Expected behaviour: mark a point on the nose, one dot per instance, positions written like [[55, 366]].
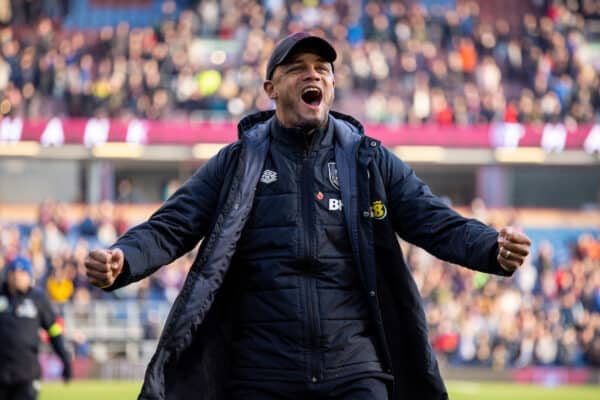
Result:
[[312, 74]]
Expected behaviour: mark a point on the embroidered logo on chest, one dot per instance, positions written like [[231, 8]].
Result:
[[268, 176]]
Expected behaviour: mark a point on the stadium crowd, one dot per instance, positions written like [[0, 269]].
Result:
[[397, 64], [548, 314]]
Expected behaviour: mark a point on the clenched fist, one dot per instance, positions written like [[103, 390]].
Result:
[[513, 247], [103, 266]]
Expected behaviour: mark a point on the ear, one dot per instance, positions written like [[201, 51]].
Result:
[[270, 89], [333, 91], [333, 86]]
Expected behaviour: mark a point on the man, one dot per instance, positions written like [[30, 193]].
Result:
[[23, 311], [300, 289]]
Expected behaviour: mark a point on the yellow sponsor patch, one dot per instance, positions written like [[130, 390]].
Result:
[[378, 210]]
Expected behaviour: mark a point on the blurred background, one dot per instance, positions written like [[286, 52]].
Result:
[[108, 106]]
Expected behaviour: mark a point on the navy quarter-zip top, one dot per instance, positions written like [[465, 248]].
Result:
[[303, 316]]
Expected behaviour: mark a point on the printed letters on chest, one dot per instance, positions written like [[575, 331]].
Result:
[[335, 205]]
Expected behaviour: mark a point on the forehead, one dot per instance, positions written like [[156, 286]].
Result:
[[304, 56], [19, 273], [15, 270]]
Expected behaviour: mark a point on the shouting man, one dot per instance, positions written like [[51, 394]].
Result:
[[300, 289]]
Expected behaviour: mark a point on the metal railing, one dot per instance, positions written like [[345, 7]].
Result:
[[112, 329]]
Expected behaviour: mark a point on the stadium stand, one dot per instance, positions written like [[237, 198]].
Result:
[[397, 63]]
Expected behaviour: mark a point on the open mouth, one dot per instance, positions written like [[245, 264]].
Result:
[[312, 96]]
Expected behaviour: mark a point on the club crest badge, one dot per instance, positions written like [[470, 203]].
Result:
[[268, 176], [378, 210], [333, 175]]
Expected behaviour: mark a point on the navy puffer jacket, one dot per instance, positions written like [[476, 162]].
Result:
[[381, 195]]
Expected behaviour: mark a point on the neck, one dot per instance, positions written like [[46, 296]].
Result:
[[310, 132], [300, 137], [307, 128]]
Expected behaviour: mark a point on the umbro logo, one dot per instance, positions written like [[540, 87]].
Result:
[[268, 176]]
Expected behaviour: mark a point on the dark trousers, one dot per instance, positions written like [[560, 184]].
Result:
[[18, 391], [360, 389]]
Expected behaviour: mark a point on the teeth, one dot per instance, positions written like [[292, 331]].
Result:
[[311, 89]]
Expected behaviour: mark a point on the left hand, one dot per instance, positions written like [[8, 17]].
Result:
[[513, 248]]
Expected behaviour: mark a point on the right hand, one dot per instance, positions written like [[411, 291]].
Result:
[[103, 266]]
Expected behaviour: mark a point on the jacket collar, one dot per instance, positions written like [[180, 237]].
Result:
[[347, 129], [296, 138], [247, 125]]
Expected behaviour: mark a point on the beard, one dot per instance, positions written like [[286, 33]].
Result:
[[303, 123], [308, 126]]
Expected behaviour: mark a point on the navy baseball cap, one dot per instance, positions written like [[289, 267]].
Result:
[[299, 41], [20, 263]]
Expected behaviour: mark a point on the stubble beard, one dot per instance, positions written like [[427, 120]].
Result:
[[305, 124], [316, 122]]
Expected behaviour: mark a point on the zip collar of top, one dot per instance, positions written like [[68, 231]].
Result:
[[298, 138]]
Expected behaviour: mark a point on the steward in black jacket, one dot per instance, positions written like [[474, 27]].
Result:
[[23, 311], [294, 223]]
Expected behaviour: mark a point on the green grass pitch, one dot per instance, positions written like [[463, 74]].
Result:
[[118, 390]]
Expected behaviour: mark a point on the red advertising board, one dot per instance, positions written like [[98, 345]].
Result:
[[91, 132]]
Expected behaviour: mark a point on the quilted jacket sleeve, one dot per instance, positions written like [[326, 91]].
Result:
[[175, 228], [424, 219]]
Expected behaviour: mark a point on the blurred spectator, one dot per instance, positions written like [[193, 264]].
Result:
[[127, 193], [59, 284]]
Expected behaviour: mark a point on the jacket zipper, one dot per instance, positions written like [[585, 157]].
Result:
[[355, 215], [309, 283], [385, 353]]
